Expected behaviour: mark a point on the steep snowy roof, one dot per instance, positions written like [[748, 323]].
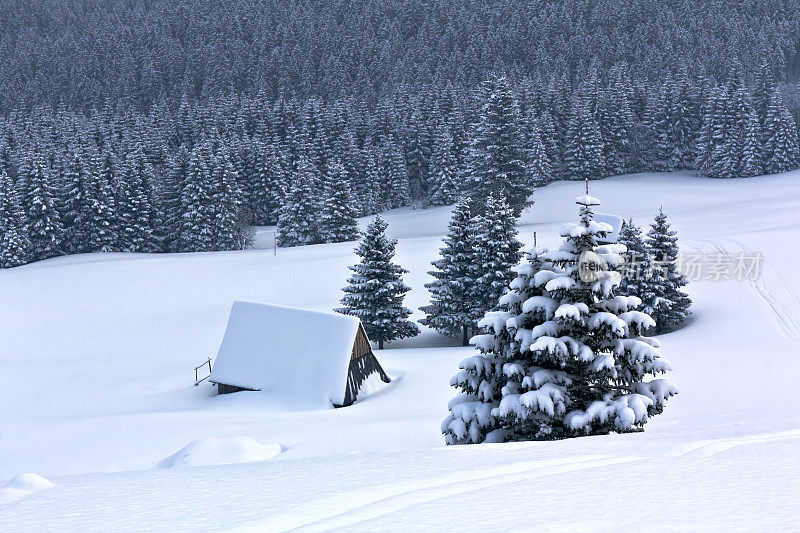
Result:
[[612, 220], [299, 357]]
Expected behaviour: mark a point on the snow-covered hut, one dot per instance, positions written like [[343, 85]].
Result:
[[302, 358], [616, 225]]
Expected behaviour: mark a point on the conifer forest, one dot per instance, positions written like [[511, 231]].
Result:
[[177, 125]]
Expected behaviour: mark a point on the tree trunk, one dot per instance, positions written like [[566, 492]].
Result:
[[380, 344], [465, 339]]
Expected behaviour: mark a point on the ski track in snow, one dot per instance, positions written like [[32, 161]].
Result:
[[354, 507], [772, 289], [709, 448]]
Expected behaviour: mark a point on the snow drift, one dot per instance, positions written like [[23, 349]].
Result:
[[23, 484], [221, 451]]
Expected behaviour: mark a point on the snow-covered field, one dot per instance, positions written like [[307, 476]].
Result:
[[96, 368]]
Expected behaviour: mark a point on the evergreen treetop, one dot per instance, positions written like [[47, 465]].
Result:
[[375, 290], [337, 216]]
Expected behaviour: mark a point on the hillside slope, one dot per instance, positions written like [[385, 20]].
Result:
[[97, 355]]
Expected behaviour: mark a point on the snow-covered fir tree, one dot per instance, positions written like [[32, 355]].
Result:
[[297, 221], [375, 290], [497, 156], [564, 356], [398, 193], [14, 246], [371, 200], [720, 136], [711, 141], [268, 189], [230, 219], [135, 232], [538, 163], [551, 140], [497, 253], [100, 209], [43, 222], [583, 150], [751, 163], [781, 146], [453, 298], [175, 179], [75, 207], [637, 268], [197, 213], [670, 305], [418, 159], [444, 170], [337, 216], [616, 122]]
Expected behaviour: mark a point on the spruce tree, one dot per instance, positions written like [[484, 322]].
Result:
[[751, 150], [100, 209], [134, 212], [444, 170], [375, 290], [451, 309], [616, 122], [706, 141], [497, 155], [297, 221], [267, 193], [781, 147], [497, 253], [175, 180], [337, 216], [482, 377], [398, 193], [45, 232], [670, 305], [14, 245], [418, 159], [538, 163], [637, 268], [229, 225], [550, 137], [719, 151], [682, 123], [372, 201], [563, 356], [583, 150], [763, 93], [197, 211], [76, 230]]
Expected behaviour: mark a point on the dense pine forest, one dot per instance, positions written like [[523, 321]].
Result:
[[177, 125]]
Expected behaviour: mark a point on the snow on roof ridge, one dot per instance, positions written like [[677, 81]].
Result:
[[298, 309]]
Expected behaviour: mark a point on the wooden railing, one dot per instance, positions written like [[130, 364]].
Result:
[[197, 368]]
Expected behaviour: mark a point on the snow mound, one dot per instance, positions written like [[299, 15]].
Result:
[[221, 451], [22, 485], [28, 483]]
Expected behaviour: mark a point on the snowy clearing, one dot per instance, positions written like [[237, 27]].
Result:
[[97, 361]]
